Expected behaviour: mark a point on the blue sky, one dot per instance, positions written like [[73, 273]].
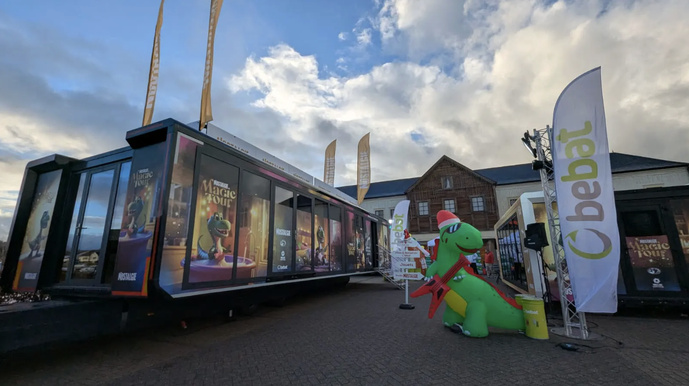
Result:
[[462, 78]]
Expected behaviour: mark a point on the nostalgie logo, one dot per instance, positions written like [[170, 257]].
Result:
[[583, 172], [142, 177], [218, 192]]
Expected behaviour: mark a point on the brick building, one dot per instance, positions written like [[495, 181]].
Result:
[[451, 186]]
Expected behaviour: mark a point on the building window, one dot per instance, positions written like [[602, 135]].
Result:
[[449, 205], [512, 201], [477, 204], [392, 213], [446, 182], [423, 208], [380, 212]]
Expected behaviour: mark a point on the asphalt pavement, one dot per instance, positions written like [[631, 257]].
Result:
[[359, 336]]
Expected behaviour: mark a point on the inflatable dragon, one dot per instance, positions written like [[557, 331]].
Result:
[[35, 244], [473, 304], [219, 228]]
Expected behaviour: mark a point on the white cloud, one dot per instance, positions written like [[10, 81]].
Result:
[[342, 36], [363, 37], [508, 63]]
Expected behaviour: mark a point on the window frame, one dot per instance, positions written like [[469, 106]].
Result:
[[474, 204], [418, 208], [454, 205]]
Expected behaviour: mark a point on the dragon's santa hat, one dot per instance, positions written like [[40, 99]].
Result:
[[446, 218]]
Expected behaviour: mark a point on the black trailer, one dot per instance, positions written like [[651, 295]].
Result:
[[178, 220]]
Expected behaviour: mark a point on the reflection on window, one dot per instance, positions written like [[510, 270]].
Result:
[[512, 201], [304, 232], [449, 205], [254, 217], [116, 223], [359, 243], [446, 182], [380, 212], [92, 227], [368, 246], [350, 234], [73, 228], [282, 230], [423, 208], [322, 239], [477, 204], [680, 210], [336, 237]]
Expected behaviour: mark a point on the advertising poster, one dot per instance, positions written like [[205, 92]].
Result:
[[368, 246], [652, 263], [586, 202], [138, 221], [322, 239], [213, 256], [336, 229], [680, 210], [304, 250], [33, 247], [283, 251], [253, 228], [178, 215], [352, 237]]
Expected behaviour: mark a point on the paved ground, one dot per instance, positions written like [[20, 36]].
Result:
[[360, 336]]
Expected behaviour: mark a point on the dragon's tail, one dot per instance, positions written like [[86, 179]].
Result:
[[202, 255]]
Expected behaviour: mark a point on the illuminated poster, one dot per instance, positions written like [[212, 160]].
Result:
[[33, 247], [652, 263], [282, 231], [336, 238], [178, 215], [213, 256], [254, 221], [138, 221], [367, 246], [680, 210], [304, 251], [351, 241], [322, 239]]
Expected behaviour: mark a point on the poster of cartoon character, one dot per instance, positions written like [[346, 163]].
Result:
[[33, 245], [141, 211], [212, 251]]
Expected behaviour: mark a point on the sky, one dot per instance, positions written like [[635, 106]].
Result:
[[426, 78]]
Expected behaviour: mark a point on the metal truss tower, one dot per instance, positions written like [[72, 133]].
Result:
[[574, 321]]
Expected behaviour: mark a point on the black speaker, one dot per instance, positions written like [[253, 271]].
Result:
[[535, 237]]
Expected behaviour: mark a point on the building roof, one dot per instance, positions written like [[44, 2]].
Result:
[[619, 163], [383, 188], [516, 174]]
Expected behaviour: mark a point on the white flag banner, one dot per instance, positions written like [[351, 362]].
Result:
[[397, 244], [585, 198]]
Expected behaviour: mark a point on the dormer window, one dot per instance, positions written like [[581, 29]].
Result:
[[446, 182]]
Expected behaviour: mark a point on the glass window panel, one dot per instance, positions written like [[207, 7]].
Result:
[[254, 219], [73, 227], [336, 238], [477, 204], [304, 250], [322, 239], [367, 246], [92, 226], [213, 254], [116, 223], [282, 230], [423, 208]]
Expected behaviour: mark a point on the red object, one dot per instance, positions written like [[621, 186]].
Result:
[[438, 287], [446, 218], [490, 258]]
